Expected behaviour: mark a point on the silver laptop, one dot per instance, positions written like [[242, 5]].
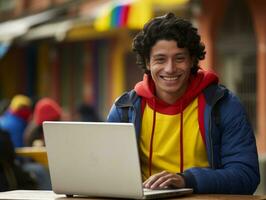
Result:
[[97, 160]]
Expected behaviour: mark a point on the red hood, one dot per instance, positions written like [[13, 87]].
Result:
[[23, 113], [197, 83]]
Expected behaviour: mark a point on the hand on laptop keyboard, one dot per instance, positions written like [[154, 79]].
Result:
[[164, 180]]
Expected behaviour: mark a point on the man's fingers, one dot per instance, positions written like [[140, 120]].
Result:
[[171, 182], [150, 181], [157, 184], [175, 181], [164, 180]]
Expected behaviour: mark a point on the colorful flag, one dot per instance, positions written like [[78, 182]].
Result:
[[131, 14]]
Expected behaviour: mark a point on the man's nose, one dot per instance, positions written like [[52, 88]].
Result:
[[170, 66]]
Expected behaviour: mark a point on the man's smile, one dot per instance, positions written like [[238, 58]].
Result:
[[171, 78]]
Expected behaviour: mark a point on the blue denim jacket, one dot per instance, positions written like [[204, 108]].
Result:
[[230, 143]]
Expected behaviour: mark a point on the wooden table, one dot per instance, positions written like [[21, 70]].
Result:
[[38, 154], [49, 195]]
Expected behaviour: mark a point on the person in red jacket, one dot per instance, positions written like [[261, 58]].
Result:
[[46, 109]]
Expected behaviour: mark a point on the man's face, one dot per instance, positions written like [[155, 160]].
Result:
[[170, 69]]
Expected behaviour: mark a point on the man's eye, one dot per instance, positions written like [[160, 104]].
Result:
[[160, 60], [180, 59]]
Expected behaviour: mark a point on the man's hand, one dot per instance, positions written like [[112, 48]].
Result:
[[164, 180]]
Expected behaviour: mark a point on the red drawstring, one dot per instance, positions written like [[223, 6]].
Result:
[[151, 141], [181, 143]]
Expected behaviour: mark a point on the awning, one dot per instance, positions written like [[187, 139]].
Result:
[[9, 30], [56, 30], [59, 29], [12, 29]]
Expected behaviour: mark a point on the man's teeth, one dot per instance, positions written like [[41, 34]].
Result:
[[170, 78]]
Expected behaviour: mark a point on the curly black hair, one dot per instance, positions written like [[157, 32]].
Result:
[[168, 27]]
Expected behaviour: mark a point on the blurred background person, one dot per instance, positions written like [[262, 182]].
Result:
[[86, 113], [16, 117], [46, 109]]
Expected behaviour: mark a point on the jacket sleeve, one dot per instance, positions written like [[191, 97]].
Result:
[[114, 115], [234, 145]]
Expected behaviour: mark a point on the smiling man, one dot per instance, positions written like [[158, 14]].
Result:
[[191, 131]]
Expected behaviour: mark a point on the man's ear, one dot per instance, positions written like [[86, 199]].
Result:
[[148, 65]]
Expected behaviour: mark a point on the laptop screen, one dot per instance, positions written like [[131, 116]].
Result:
[[95, 159]]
